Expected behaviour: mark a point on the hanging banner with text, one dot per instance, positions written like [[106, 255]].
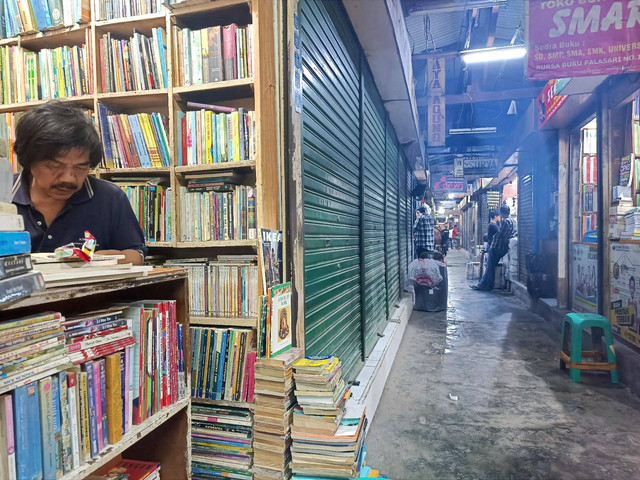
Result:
[[436, 125], [549, 100], [446, 184], [481, 167], [581, 38]]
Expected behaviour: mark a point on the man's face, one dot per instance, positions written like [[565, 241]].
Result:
[[59, 178]]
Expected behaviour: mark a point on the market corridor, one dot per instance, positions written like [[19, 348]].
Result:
[[517, 416]]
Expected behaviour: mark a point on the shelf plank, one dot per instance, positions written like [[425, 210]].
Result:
[[52, 37], [224, 321], [152, 19], [215, 166], [218, 243], [222, 403], [133, 436], [240, 82], [137, 170], [201, 6], [84, 100], [159, 244], [57, 294]]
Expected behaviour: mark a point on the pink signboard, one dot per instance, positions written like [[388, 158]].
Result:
[[447, 184], [580, 38]]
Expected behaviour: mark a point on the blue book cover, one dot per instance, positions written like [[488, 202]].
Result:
[[156, 126], [91, 398], [202, 360], [27, 431], [138, 138], [57, 421], [103, 401], [162, 48], [49, 446], [211, 387], [13, 25], [14, 243], [106, 138], [55, 9], [194, 135], [221, 363], [41, 22], [3, 20], [194, 336]]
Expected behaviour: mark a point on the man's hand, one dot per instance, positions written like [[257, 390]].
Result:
[[130, 256]]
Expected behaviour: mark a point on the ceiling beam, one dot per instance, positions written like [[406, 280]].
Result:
[[479, 97], [429, 56], [426, 7]]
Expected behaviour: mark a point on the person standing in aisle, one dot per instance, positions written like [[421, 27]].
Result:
[[423, 231], [499, 248], [454, 236], [57, 146], [445, 239], [494, 224]]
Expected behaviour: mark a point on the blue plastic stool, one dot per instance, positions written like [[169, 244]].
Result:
[[572, 354]]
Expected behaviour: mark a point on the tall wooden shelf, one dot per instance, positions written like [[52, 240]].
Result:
[[258, 93], [165, 436]]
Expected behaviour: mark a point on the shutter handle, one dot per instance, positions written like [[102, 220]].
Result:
[[327, 243]]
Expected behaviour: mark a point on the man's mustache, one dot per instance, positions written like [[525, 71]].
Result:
[[65, 186]]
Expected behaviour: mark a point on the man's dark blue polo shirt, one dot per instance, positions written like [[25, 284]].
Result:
[[99, 207]]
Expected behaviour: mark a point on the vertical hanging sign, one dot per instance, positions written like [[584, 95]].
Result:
[[436, 127]]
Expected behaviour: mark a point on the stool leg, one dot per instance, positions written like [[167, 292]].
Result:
[[576, 353], [611, 356], [566, 334], [596, 339]]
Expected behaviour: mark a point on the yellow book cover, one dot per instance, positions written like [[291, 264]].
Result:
[[150, 139], [206, 359], [208, 116], [235, 124], [27, 15], [114, 398], [61, 89], [84, 412], [236, 363], [77, 81], [204, 42], [319, 362]]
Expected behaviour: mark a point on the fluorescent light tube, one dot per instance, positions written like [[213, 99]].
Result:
[[493, 54]]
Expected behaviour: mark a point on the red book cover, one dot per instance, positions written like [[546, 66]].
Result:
[[174, 351], [252, 377], [134, 469], [229, 52], [103, 333], [104, 350]]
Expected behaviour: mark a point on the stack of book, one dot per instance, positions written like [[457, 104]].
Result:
[[617, 213], [20, 16], [129, 470], [138, 63], [126, 8], [221, 442], [151, 202], [208, 136], [632, 225], [337, 456], [131, 141], [222, 363], [589, 169], [589, 198], [226, 287], [30, 346], [211, 216], [273, 412], [17, 279], [321, 393], [213, 54]]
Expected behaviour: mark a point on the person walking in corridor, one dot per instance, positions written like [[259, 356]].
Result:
[[423, 231], [499, 248]]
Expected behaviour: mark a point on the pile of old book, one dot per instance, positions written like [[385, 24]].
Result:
[[274, 406], [328, 429]]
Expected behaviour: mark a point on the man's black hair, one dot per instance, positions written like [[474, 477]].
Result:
[[52, 129], [493, 213], [505, 211], [422, 209]]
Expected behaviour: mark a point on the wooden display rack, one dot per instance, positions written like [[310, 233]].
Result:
[[172, 424]]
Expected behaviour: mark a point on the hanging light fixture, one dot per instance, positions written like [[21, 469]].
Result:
[[493, 54]]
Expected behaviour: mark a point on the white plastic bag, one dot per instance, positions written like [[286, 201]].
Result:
[[425, 271]]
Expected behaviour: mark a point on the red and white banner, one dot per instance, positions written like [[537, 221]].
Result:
[[581, 38], [549, 101]]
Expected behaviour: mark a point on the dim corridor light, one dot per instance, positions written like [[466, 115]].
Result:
[[493, 54]]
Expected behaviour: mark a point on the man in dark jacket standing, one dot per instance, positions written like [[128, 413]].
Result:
[[499, 248]]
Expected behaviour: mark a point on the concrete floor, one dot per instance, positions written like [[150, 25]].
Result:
[[517, 417]]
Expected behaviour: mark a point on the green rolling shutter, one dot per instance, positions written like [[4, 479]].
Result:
[[331, 183], [402, 206], [373, 145], [391, 220]]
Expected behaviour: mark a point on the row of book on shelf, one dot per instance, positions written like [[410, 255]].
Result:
[[151, 202], [213, 54], [50, 73], [133, 64], [22, 16], [74, 385], [126, 8]]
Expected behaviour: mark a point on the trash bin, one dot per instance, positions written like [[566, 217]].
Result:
[[434, 298]]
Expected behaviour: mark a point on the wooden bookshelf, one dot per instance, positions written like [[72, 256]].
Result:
[[171, 424], [223, 403], [206, 87], [211, 167]]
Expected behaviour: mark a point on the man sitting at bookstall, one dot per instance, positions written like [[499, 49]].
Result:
[[57, 146]]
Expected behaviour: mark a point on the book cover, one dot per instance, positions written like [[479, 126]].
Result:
[[11, 223], [47, 430], [280, 313], [132, 469], [7, 439], [14, 243], [85, 424], [92, 409], [229, 52], [55, 9], [74, 420], [13, 265], [103, 402], [27, 432], [66, 448], [57, 421], [113, 398], [271, 257]]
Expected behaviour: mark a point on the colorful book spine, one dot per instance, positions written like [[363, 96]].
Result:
[[66, 449], [113, 398], [57, 422], [27, 432], [74, 420], [7, 439], [92, 405]]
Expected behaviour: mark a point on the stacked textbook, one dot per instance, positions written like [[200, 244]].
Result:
[[274, 406], [328, 429]]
